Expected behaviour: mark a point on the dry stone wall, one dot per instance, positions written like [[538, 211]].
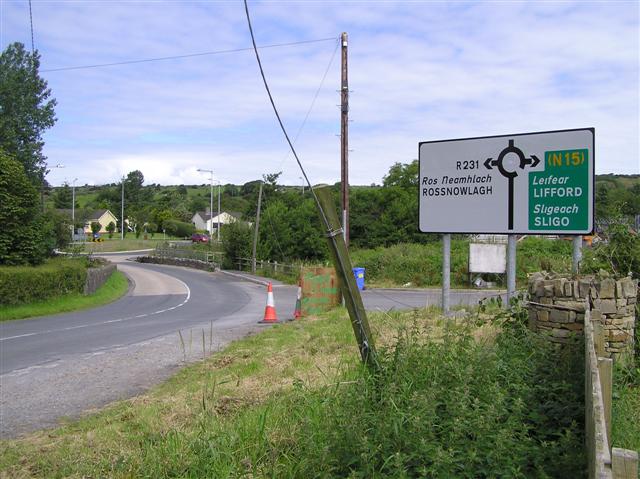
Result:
[[557, 306], [96, 277]]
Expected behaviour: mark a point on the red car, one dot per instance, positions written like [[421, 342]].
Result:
[[199, 238]]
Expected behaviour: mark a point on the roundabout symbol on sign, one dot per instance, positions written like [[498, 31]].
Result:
[[509, 160]]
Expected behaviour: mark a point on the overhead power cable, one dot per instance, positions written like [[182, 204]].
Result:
[[188, 55], [325, 221], [365, 348], [31, 24]]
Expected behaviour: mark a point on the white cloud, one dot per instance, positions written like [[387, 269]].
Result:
[[418, 71]]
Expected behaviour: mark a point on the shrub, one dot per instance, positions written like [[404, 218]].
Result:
[[111, 227], [178, 228], [236, 242], [421, 264], [25, 284], [619, 253], [450, 408]]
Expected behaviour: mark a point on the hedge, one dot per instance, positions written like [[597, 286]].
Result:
[[56, 277]]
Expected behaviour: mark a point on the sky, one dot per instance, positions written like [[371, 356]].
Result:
[[418, 71]]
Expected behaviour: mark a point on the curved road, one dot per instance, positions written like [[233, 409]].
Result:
[[158, 304], [62, 365]]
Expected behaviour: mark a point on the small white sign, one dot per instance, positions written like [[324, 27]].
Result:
[[487, 258]]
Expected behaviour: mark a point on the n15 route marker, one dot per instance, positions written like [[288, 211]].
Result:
[[527, 183]]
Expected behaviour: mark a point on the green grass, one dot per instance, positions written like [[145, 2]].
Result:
[[452, 400], [114, 288], [626, 404], [115, 244]]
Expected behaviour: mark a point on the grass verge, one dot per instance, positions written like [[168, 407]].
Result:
[[116, 286], [113, 245], [452, 400], [626, 406]]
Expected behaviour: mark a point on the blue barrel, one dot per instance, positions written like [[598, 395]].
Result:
[[359, 274]]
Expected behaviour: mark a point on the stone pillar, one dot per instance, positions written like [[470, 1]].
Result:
[[557, 305]]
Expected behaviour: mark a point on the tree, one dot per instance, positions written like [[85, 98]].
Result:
[[236, 242], [111, 227], [403, 175], [25, 234], [26, 110], [95, 227]]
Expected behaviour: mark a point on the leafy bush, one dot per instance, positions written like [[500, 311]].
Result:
[[619, 253], [58, 276], [178, 228], [24, 231], [111, 227], [450, 408], [237, 239], [421, 264], [415, 263]]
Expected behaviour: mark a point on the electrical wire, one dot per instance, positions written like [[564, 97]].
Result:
[[367, 352], [31, 24], [275, 110], [188, 55], [313, 102]]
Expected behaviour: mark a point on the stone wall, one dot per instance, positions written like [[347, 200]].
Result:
[[96, 277], [189, 263], [557, 305]]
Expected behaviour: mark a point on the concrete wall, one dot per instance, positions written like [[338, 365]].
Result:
[[96, 277], [557, 306]]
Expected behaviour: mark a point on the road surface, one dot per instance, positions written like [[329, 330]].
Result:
[[66, 364]]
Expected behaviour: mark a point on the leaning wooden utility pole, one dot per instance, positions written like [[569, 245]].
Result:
[[344, 140], [255, 233], [346, 279]]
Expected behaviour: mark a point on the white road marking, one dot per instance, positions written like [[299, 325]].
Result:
[[119, 320]]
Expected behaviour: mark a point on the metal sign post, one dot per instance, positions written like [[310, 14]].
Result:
[[577, 254], [511, 268], [446, 272]]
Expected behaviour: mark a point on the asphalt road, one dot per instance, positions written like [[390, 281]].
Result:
[[65, 364], [162, 301]]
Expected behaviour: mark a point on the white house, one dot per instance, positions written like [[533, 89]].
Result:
[[202, 220], [225, 217]]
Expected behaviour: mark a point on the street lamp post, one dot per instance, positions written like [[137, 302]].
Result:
[[211, 200], [122, 212], [218, 232], [73, 205], [44, 173]]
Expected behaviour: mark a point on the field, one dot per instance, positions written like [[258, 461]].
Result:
[[116, 244]]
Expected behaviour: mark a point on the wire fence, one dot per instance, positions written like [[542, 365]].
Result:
[[269, 267]]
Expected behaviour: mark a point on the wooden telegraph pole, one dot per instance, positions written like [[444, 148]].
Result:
[[256, 231], [344, 140]]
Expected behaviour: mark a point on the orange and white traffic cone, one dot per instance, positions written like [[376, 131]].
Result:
[[270, 315], [297, 314]]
